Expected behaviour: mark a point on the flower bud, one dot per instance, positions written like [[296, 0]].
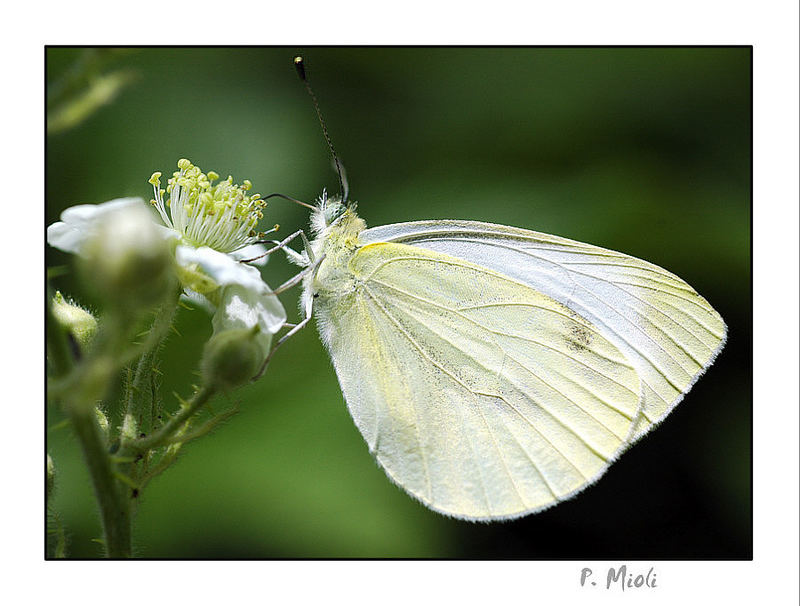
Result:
[[126, 259], [233, 357], [77, 321]]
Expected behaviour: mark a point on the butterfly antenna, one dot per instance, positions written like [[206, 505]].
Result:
[[301, 71], [290, 199]]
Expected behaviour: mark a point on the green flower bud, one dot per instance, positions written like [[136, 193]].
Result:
[[77, 321], [126, 259], [233, 357]]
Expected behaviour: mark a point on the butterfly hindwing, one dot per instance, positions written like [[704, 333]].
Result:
[[478, 394]]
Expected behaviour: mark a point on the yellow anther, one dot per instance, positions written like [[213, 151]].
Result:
[[217, 213]]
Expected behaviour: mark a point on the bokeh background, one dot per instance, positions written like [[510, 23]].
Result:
[[642, 150]]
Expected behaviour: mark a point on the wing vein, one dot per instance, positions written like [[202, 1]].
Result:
[[558, 264], [707, 328], [545, 409], [602, 302], [576, 283], [463, 385], [680, 285], [527, 339], [413, 405]]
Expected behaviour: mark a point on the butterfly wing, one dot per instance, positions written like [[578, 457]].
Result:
[[479, 395], [669, 333]]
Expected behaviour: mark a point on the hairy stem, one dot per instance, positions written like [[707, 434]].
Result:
[[111, 497], [175, 423], [144, 368]]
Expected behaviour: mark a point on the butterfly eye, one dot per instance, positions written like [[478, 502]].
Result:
[[333, 211]]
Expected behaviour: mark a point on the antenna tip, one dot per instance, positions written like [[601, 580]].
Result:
[[300, 67]]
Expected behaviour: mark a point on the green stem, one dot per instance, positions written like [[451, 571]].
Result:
[[112, 498], [144, 368], [80, 386], [137, 398], [203, 430], [166, 460], [175, 423]]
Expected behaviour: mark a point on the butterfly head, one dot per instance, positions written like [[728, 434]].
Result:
[[330, 212], [335, 225]]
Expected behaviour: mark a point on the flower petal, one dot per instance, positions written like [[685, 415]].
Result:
[[85, 213], [241, 307], [222, 268], [65, 237], [244, 299], [77, 221]]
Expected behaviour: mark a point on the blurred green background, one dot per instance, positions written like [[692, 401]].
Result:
[[646, 151]]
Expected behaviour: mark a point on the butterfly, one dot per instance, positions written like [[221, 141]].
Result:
[[495, 371]]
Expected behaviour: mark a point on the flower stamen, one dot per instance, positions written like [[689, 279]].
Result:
[[221, 216]]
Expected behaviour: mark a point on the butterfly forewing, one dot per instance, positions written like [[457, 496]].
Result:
[[667, 331]]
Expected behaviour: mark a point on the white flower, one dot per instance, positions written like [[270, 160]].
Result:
[[242, 298], [124, 256], [214, 229], [78, 222]]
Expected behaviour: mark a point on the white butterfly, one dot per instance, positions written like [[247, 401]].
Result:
[[495, 371]]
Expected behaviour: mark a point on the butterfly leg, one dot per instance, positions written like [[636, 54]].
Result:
[[312, 266], [296, 279], [293, 255], [297, 327]]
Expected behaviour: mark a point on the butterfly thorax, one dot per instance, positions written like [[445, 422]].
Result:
[[338, 242]]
